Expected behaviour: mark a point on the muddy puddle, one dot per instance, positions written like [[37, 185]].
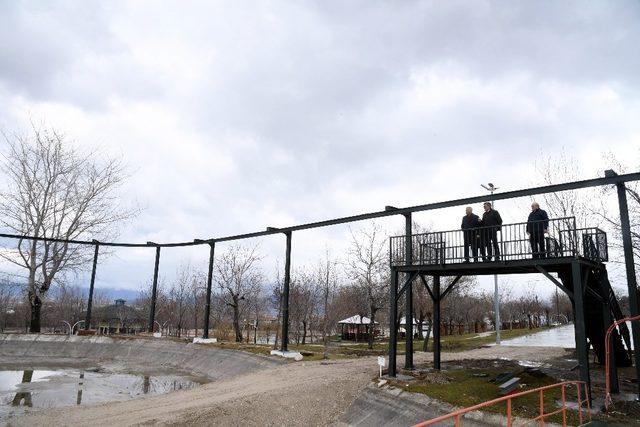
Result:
[[28, 390]]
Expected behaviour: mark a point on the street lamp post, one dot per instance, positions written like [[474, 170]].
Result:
[[496, 299]]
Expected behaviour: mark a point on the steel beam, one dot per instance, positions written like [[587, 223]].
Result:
[[632, 285], [555, 281], [426, 285], [393, 332], [575, 185], [410, 277], [408, 327], [450, 287], [285, 295], [154, 290], [436, 322], [87, 320], [582, 348], [207, 304]]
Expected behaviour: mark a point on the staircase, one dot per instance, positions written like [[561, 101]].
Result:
[[600, 304]]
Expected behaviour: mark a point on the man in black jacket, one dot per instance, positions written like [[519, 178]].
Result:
[[537, 225], [492, 221], [470, 224]]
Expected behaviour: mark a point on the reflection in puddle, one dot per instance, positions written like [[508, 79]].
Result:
[[561, 336], [20, 390]]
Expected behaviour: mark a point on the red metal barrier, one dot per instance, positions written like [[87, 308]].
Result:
[[580, 387], [607, 364]]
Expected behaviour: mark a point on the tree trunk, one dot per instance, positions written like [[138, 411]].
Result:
[[426, 338], [304, 332], [372, 328], [236, 321], [36, 304]]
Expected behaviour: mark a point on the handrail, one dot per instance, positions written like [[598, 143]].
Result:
[[579, 384], [516, 241], [607, 363], [484, 227]]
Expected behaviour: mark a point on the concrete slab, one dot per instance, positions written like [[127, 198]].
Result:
[[20, 350], [287, 354], [205, 340]]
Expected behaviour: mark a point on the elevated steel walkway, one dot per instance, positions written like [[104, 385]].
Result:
[[571, 258]]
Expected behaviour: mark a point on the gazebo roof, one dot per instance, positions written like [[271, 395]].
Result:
[[356, 320]]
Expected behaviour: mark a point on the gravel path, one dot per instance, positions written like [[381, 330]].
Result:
[[310, 393]]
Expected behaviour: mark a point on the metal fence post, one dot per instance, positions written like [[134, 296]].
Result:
[[632, 285], [408, 327], [207, 305], [285, 295], [154, 290]]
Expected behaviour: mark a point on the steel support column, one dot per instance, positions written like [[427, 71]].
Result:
[[87, 320], [393, 332], [436, 322], [632, 284], [613, 368], [154, 290], [207, 304], [285, 295], [582, 348], [408, 327]]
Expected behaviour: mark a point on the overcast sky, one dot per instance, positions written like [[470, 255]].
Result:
[[233, 116]]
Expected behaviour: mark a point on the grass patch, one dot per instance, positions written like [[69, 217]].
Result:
[[468, 387]]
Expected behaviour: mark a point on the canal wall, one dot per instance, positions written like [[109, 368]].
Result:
[[137, 354]]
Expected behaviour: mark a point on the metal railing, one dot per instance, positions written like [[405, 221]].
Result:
[[607, 364], [581, 390], [556, 238]]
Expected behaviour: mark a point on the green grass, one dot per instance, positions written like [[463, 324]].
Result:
[[464, 388], [344, 349]]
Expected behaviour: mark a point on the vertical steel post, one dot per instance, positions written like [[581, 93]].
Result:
[[393, 313], [436, 322], [582, 348], [613, 368], [207, 304], [154, 290], [408, 327], [87, 320], [632, 284], [285, 295]]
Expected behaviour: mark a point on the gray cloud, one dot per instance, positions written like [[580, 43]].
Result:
[[238, 115]]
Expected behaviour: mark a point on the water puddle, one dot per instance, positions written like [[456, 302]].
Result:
[[22, 391], [561, 336]]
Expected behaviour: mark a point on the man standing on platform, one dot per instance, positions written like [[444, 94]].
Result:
[[537, 225], [492, 222], [470, 224]]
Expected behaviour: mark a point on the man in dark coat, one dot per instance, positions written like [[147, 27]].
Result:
[[491, 223], [470, 224], [537, 225]]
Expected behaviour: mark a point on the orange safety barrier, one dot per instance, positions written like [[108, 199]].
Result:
[[607, 363], [580, 385]]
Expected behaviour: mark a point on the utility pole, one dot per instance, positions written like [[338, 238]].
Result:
[[496, 299]]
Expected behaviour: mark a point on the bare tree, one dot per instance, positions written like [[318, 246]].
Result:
[[238, 278], [197, 291], [179, 292], [275, 298], [302, 302], [367, 265], [9, 298], [633, 201], [327, 282], [55, 192], [555, 169]]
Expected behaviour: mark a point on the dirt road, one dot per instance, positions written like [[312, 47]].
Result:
[[310, 393]]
